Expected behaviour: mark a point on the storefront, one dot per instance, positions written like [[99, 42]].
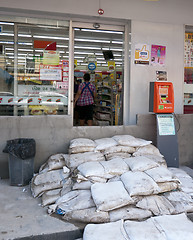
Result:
[[39, 60]]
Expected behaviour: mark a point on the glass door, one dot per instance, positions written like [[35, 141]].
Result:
[[99, 51]]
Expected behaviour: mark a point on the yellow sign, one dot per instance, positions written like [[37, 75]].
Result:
[[111, 66], [75, 63], [142, 54], [51, 58]]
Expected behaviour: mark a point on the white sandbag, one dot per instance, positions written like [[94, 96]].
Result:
[[147, 150], [85, 185], [168, 186], [109, 196], [158, 159], [51, 176], [38, 190], [80, 178], [67, 186], [49, 197], [115, 179], [105, 231], [89, 215], [128, 140], [158, 205], [176, 227], [104, 143], [110, 156], [161, 174], [119, 149], [186, 182], [181, 201], [75, 200], [140, 163], [76, 159], [139, 183], [145, 230], [129, 213], [57, 161], [93, 169], [115, 167], [80, 145]]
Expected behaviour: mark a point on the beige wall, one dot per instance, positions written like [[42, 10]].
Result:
[[53, 133]]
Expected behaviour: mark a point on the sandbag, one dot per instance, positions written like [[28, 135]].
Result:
[[67, 186], [158, 205], [115, 167], [105, 231], [110, 156], [129, 213], [104, 143], [128, 140], [186, 182], [75, 200], [181, 201], [109, 196], [139, 183], [176, 227], [51, 176], [145, 230], [119, 149], [161, 174], [147, 150], [93, 169], [76, 159], [49, 197], [89, 215], [168, 186], [140, 163], [158, 159], [85, 185], [80, 145], [80, 178]]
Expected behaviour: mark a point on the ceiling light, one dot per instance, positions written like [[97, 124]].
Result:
[[91, 40], [50, 37], [6, 23], [117, 42], [94, 48]]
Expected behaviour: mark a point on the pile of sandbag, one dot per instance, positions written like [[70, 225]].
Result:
[[110, 179]]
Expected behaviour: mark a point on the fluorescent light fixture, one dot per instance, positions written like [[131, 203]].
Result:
[[84, 53], [7, 34], [24, 35], [9, 53], [97, 30], [101, 62], [50, 37], [6, 42], [117, 42], [25, 43], [6, 23], [9, 49], [78, 57], [94, 48], [116, 49], [62, 46], [38, 50], [25, 50], [84, 64], [91, 40], [99, 54]]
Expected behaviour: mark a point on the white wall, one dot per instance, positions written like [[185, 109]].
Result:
[[168, 11], [169, 35]]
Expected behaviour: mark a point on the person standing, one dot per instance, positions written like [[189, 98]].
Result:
[[85, 100]]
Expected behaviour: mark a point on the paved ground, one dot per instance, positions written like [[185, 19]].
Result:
[[21, 216]]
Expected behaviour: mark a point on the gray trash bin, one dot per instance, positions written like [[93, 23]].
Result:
[[21, 160]]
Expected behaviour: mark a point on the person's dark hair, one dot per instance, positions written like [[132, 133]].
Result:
[[86, 77]]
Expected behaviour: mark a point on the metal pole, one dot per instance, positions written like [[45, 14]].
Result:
[[15, 66]]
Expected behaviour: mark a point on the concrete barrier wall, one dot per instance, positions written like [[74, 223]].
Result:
[[53, 133]]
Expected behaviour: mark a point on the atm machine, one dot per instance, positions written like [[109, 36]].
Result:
[[161, 102]]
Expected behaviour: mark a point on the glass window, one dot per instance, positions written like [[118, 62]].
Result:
[[38, 65], [188, 71]]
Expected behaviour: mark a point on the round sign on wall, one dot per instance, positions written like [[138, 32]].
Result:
[[91, 66]]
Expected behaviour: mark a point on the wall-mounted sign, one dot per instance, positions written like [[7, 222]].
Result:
[[51, 58], [161, 76], [92, 66], [142, 54], [166, 124], [158, 55], [50, 73], [111, 66]]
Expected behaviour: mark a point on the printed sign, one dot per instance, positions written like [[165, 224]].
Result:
[[142, 54], [92, 66], [51, 58], [158, 55], [50, 73], [166, 124]]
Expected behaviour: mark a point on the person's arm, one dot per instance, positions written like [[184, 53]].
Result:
[[77, 96]]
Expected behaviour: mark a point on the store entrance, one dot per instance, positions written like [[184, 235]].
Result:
[[99, 52]]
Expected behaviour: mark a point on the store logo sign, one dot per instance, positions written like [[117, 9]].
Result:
[[91, 66]]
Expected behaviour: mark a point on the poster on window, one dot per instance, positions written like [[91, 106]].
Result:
[[142, 54], [158, 55], [50, 73]]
